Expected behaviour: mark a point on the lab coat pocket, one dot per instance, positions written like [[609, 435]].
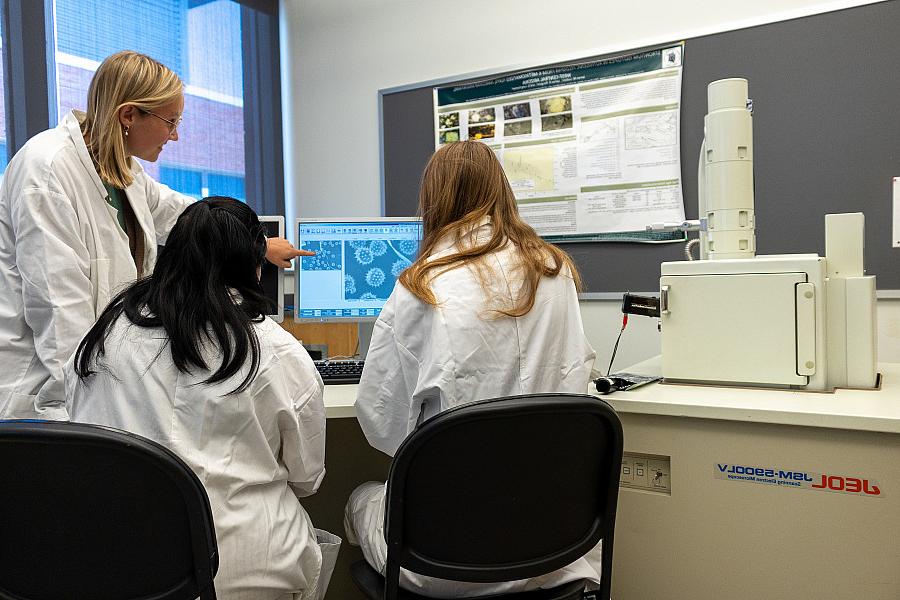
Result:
[[21, 406], [31, 406], [100, 284], [330, 545]]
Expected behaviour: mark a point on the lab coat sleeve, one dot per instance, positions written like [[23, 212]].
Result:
[[55, 268], [166, 205], [385, 407], [303, 426]]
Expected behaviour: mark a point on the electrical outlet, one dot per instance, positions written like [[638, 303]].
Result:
[[640, 472], [659, 474], [627, 474], [649, 472]]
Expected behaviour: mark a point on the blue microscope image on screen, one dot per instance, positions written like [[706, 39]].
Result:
[[373, 266], [327, 258]]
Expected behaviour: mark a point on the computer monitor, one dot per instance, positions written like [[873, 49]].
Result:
[[356, 264], [272, 277]]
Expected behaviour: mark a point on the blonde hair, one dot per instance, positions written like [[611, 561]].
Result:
[[462, 184], [123, 78]]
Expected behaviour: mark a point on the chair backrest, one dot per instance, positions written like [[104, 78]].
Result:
[[505, 489], [94, 512]]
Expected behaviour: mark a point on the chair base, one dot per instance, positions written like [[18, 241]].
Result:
[[371, 583]]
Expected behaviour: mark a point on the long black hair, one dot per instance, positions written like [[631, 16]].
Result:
[[204, 288]]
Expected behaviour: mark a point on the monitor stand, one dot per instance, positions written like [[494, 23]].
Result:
[[365, 337]]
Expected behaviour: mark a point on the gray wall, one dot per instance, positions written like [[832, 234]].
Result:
[[826, 135]]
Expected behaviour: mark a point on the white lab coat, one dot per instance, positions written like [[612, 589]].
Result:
[[423, 360], [63, 256], [254, 451]]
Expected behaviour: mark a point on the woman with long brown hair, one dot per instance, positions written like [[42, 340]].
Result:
[[488, 309]]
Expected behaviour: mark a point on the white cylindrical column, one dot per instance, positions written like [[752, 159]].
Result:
[[728, 172]]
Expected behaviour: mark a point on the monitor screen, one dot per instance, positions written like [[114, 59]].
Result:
[[272, 277], [355, 267]]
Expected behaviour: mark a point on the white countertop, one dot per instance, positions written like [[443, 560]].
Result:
[[853, 409], [861, 410]]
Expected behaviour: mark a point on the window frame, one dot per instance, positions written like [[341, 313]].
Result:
[[263, 143], [29, 71]]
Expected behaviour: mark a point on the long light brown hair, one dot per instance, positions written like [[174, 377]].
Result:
[[462, 184], [123, 78]]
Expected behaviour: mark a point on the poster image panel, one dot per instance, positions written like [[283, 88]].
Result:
[[590, 149]]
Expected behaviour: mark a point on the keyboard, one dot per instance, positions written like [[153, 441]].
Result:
[[339, 371]]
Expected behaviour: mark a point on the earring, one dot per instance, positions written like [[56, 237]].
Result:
[[126, 131]]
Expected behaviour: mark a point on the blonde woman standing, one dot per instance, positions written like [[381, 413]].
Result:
[[488, 309], [80, 219]]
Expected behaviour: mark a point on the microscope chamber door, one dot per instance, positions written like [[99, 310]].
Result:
[[732, 328]]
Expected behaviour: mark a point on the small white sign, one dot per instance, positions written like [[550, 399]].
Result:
[[896, 213]]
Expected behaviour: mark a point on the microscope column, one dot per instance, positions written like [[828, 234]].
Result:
[[728, 166]]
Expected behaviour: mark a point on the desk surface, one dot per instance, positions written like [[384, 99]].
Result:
[[340, 400], [861, 410]]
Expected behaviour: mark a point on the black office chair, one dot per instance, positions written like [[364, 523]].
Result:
[[499, 490], [90, 512]]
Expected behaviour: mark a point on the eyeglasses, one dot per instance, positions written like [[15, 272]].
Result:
[[173, 125]]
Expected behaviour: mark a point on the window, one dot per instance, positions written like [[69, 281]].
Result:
[[226, 185], [199, 184], [225, 51], [185, 181], [199, 40]]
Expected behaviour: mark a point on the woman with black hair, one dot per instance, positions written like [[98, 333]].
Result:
[[187, 358]]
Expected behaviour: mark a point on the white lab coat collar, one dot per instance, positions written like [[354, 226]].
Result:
[[479, 232], [72, 124]]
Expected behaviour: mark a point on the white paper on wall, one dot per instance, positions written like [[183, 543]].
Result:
[[896, 213]]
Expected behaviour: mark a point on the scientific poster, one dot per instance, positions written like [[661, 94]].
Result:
[[591, 150]]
